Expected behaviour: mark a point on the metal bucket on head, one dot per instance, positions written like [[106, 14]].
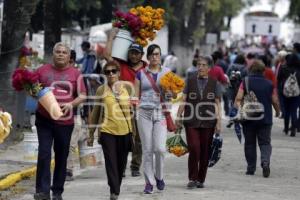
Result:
[[121, 44]]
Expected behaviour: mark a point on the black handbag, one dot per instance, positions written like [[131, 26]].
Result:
[[215, 150]]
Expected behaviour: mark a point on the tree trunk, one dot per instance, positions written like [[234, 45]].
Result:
[[177, 28], [52, 26], [194, 21], [17, 15], [106, 11]]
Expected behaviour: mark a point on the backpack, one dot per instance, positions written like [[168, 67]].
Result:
[[291, 86], [235, 78], [251, 109]]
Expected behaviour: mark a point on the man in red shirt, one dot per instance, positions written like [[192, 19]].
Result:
[[216, 72], [69, 90], [128, 71]]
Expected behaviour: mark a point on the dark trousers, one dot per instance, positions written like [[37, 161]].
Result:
[[136, 153], [226, 104], [199, 141], [60, 135], [281, 102], [261, 133], [298, 122], [115, 150], [290, 105]]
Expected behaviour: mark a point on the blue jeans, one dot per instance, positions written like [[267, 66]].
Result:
[[59, 135]]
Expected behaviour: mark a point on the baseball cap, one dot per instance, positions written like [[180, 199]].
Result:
[[137, 47]]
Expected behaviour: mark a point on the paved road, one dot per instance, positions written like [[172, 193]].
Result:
[[224, 181]]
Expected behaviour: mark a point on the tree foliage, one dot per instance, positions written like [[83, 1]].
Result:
[[17, 15], [96, 11], [294, 11]]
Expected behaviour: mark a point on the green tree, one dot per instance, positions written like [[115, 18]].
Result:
[[217, 10], [294, 11], [52, 26], [96, 11], [17, 15]]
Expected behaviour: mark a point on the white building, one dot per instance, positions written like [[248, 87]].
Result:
[[262, 23]]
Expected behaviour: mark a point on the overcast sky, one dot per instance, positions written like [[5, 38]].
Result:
[[281, 8]]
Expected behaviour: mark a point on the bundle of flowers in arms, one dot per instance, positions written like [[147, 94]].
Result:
[[172, 82], [24, 79], [142, 22], [176, 144]]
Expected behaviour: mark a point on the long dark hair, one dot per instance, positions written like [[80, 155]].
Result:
[[151, 48], [292, 60]]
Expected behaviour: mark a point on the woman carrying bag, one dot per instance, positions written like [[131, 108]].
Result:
[[152, 124], [257, 123], [201, 119]]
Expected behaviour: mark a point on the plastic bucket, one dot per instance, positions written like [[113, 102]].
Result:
[[31, 104], [121, 44], [31, 145], [90, 156]]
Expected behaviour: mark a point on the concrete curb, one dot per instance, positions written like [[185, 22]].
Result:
[[15, 177]]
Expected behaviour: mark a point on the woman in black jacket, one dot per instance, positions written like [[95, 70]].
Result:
[[291, 104]]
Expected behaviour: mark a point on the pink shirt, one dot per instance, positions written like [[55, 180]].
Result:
[[67, 84]]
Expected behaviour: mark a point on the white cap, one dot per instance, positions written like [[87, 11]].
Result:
[[282, 53]]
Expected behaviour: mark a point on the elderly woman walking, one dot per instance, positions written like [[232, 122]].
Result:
[[151, 120], [258, 128], [201, 119], [111, 114]]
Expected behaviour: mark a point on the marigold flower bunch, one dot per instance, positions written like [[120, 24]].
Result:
[[176, 144], [152, 21], [172, 82]]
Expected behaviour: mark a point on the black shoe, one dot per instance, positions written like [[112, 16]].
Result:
[[285, 131], [41, 196], [266, 170], [135, 173], [69, 178], [69, 175], [200, 185], [57, 197], [123, 175], [250, 173], [192, 185], [113, 196], [293, 133]]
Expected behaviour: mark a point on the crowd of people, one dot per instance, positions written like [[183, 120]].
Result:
[[124, 106]]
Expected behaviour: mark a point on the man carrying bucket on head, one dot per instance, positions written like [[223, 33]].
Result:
[[64, 80], [128, 71]]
